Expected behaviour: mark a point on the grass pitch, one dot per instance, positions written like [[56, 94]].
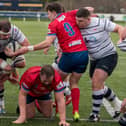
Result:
[[36, 32]]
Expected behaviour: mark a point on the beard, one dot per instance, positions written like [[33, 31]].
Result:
[[47, 85]]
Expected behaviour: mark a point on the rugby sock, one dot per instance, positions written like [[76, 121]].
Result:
[[2, 98], [97, 98], [1, 93], [109, 94], [75, 94]]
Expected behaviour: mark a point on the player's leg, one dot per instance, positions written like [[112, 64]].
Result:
[[76, 64], [107, 105], [2, 106], [99, 71], [75, 94], [78, 68], [45, 105], [3, 78], [98, 79], [30, 106], [17, 62], [30, 110], [115, 102], [122, 120], [67, 90], [14, 76]]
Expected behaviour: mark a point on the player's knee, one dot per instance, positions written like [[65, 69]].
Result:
[[47, 114], [30, 115], [97, 84]]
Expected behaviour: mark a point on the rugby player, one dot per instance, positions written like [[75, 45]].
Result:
[[11, 37], [103, 57], [37, 83]]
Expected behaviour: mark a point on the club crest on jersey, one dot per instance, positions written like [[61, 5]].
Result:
[[61, 18], [49, 31], [60, 85]]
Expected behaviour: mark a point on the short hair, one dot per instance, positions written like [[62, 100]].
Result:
[[58, 8], [5, 25], [47, 70], [83, 12]]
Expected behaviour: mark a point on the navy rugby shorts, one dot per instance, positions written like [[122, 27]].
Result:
[[107, 64], [30, 98], [73, 62]]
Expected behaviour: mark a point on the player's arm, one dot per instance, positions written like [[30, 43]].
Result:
[[45, 51], [22, 106], [19, 61], [59, 96], [119, 29], [44, 44], [19, 36], [25, 42], [123, 34]]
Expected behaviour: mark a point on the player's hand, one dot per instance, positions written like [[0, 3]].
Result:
[[45, 51], [123, 106], [8, 52], [20, 120], [63, 123], [119, 41], [20, 51]]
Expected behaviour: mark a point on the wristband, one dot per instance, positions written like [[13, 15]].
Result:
[[30, 48]]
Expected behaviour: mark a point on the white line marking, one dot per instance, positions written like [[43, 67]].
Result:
[[42, 118]]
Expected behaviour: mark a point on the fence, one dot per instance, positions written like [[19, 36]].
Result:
[[43, 15], [23, 15]]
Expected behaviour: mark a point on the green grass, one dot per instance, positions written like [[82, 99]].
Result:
[[36, 32]]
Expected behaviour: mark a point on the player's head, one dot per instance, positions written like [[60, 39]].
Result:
[[5, 27], [53, 9], [91, 9], [83, 17], [47, 75]]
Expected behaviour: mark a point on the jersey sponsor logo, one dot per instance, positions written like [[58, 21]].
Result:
[[60, 85], [61, 18], [49, 31], [73, 43], [90, 39]]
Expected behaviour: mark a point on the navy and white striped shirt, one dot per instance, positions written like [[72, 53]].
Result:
[[97, 38]]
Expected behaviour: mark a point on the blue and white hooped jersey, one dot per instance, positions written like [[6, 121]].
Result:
[[97, 38]]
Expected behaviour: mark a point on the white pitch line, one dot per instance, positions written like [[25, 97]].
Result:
[[68, 119]]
